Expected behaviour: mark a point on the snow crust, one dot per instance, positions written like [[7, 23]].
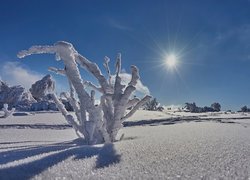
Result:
[[43, 146]]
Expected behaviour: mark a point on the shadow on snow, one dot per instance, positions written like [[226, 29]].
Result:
[[35, 126], [106, 155]]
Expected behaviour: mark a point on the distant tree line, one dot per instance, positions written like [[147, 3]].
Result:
[[215, 107], [154, 105]]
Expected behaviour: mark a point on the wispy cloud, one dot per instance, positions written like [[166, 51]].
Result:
[[16, 74], [234, 40], [118, 25], [240, 33]]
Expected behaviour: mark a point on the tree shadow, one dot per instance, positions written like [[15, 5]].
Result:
[[14, 165], [107, 155], [153, 122], [35, 126], [9, 145], [20, 142]]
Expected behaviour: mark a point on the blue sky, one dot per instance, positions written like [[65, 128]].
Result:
[[211, 38]]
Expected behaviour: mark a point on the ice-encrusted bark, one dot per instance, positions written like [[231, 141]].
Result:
[[7, 112], [97, 123]]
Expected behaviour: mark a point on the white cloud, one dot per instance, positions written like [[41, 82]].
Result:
[[15, 74], [139, 86]]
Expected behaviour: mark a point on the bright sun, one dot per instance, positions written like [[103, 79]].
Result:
[[171, 60]]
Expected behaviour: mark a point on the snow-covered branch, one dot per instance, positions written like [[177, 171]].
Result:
[[90, 84], [135, 76], [73, 103], [136, 107], [118, 64], [94, 70], [106, 65], [36, 50], [132, 102], [57, 71], [69, 118]]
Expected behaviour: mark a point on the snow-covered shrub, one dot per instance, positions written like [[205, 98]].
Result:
[[10, 95], [207, 109], [216, 106], [7, 112], [25, 102], [66, 104], [160, 108], [244, 109], [96, 123], [42, 87], [191, 107], [153, 105], [15, 96], [43, 106]]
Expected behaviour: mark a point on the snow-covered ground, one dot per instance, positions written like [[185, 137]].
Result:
[[156, 145]]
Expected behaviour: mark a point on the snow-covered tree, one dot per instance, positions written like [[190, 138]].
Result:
[[153, 105], [245, 109], [7, 112], [95, 123], [191, 107], [216, 106]]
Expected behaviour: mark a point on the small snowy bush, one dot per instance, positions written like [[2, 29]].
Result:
[[95, 123], [153, 105], [216, 106], [7, 113]]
